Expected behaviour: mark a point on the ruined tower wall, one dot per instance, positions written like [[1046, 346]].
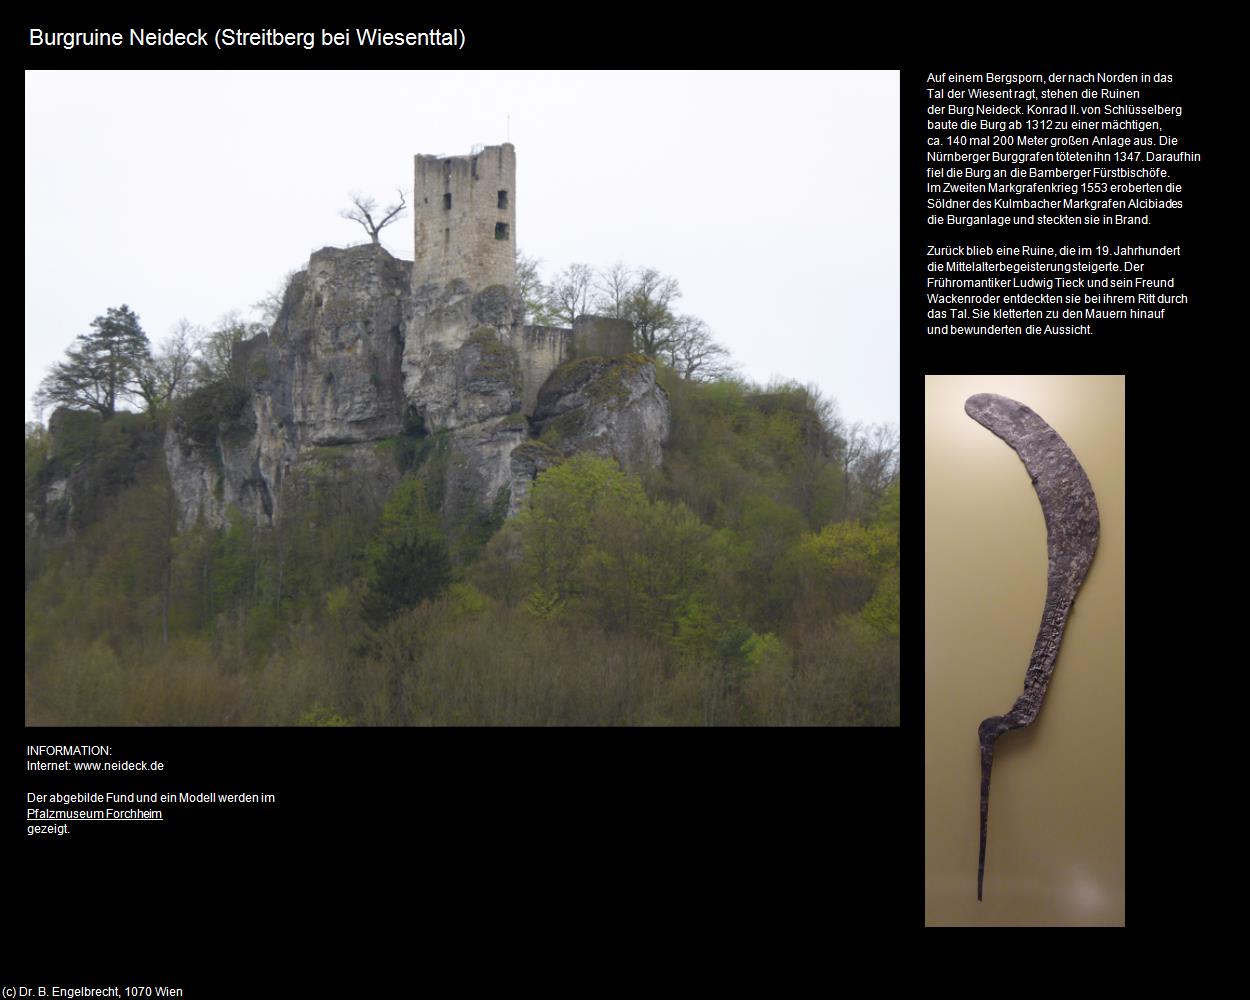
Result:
[[464, 211], [600, 336], [465, 232], [542, 349]]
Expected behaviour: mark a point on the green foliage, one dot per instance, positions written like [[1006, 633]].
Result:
[[889, 511], [645, 562], [320, 715], [212, 409], [590, 538], [764, 651], [850, 551], [102, 368], [72, 435], [882, 611], [731, 444], [465, 600], [557, 523], [768, 690], [407, 561], [36, 479], [500, 572], [76, 472], [732, 586], [839, 570], [410, 449]]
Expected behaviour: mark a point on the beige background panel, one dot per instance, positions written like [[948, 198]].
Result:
[[1056, 830]]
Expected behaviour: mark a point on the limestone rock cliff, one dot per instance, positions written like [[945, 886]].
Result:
[[328, 373], [610, 406], [359, 356], [459, 366], [331, 367]]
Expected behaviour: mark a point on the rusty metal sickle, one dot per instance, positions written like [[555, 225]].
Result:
[[1071, 514]]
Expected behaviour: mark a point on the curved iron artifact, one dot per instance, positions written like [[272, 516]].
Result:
[[1071, 514]]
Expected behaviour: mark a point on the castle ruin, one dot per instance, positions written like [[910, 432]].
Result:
[[368, 348], [464, 229], [464, 218]]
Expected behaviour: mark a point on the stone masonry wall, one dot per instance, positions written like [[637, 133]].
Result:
[[542, 349], [600, 336], [366, 343], [464, 212]]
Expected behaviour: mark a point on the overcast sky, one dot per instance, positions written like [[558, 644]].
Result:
[[772, 197]]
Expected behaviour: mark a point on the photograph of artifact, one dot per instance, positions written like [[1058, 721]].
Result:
[[979, 578], [1071, 513]]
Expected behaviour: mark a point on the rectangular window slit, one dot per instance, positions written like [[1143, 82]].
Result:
[[447, 200], [503, 199], [501, 230]]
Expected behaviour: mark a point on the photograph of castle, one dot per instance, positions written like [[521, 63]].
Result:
[[590, 429]]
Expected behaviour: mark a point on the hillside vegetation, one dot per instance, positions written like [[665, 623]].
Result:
[[752, 579]]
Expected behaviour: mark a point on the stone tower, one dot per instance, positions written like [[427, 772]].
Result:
[[464, 210]]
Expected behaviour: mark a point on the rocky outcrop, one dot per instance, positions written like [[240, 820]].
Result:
[[459, 364], [479, 473], [463, 374], [327, 374], [610, 406], [358, 356], [527, 460], [331, 366]]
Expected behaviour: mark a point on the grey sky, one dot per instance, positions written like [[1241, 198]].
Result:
[[771, 197]]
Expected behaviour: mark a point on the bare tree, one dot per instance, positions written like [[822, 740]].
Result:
[[530, 287], [270, 307], [648, 307], [568, 296], [877, 470], [869, 464], [694, 354], [171, 371], [612, 288], [364, 209], [217, 346]]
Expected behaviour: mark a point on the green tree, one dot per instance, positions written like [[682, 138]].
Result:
[[407, 561], [557, 525], [649, 308], [643, 565], [102, 368], [848, 561]]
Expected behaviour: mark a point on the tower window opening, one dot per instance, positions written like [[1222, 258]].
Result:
[[447, 200], [501, 230], [503, 199]]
